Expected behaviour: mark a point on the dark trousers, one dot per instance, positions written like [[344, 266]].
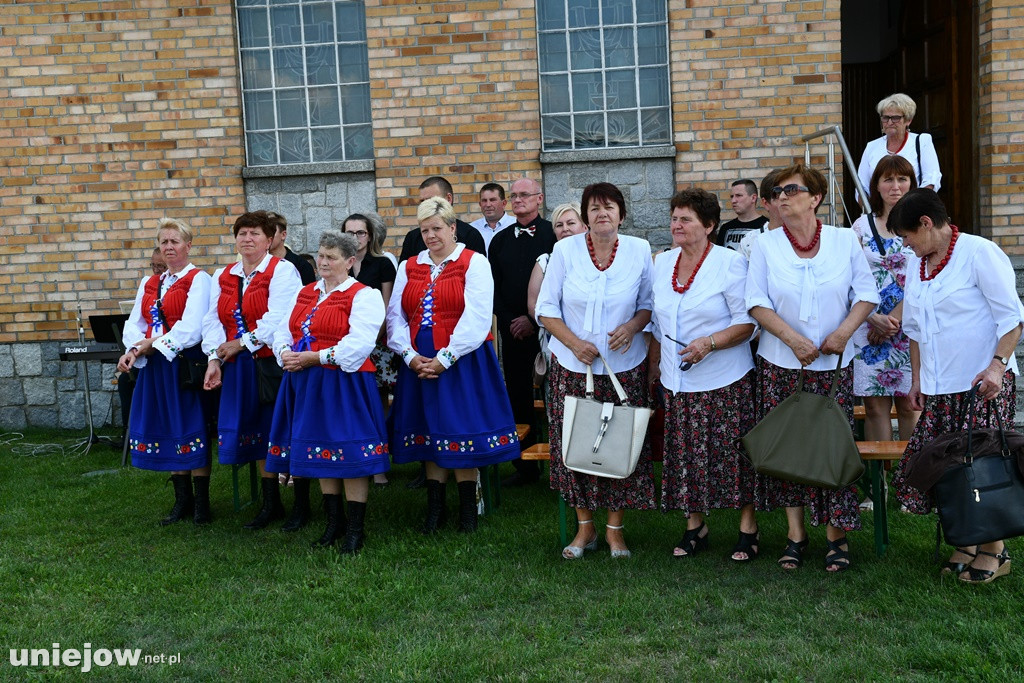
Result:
[[517, 357]]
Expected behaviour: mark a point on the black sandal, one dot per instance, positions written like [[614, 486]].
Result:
[[958, 568], [692, 542], [836, 556], [750, 544], [987, 575], [794, 554]]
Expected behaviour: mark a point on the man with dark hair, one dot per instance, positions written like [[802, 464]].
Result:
[[279, 249], [492, 206], [771, 206], [513, 253], [744, 202], [436, 186]]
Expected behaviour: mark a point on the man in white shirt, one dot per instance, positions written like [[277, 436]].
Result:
[[492, 206]]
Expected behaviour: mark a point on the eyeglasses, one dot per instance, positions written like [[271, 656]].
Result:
[[683, 364], [892, 119], [790, 190], [522, 195], [358, 233]]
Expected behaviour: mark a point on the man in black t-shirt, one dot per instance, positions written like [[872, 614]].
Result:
[[743, 197], [436, 186], [279, 249]]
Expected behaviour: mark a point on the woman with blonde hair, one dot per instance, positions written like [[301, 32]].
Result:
[[897, 113]]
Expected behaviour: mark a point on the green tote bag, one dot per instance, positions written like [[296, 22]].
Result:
[[806, 439]]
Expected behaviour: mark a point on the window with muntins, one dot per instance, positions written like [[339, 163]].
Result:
[[305, 81], [603, 73]]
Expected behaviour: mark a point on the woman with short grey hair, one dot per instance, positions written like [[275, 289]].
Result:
[[897, 112]]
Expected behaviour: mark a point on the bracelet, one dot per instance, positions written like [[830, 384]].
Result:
[[713, 345]]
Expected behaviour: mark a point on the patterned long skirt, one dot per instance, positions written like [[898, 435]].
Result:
[[704, 468], [942, 415], [635, 492], [837, 507]]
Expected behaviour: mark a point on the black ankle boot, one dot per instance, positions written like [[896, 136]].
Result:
[[467, 506], [201, 514], [335, 521], [272, 508], [437, 514], [300, 508], [354, 535], [184, 503]]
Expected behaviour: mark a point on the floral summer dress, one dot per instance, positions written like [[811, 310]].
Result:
[[883, 369]]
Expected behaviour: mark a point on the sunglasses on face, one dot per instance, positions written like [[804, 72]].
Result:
[[790, 190]]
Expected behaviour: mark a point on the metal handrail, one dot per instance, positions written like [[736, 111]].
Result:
[[862, 196]]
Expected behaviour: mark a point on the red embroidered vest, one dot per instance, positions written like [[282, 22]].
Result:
[[330, 322], [255, 301], [172, 304], [449, 297]]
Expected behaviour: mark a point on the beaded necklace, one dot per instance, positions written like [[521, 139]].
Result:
[[945, 259], [675, 271], [797, 245], [593, 255]]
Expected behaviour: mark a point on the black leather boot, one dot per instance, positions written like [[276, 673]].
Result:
[[201, 515], [467, 506], [183, 500], [335, 521], [354, 535], [437, 514], [272, 508], [300, 508]]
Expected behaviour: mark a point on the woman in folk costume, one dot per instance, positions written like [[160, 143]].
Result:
[[328, 422], [167, 428], [450, 408], [247, 301]]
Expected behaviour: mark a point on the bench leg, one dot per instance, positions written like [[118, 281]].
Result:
[[485, 485], [878, 498], [253, 486]]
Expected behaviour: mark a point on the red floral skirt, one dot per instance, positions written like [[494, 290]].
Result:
[[635, 492], [704, 468]]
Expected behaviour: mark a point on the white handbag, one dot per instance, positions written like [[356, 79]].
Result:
[[603, 439]]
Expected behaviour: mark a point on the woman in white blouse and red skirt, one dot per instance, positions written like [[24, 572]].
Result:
[[700, 355], [451, 409], [167, 428], [964, 318], [328, 422], [248, 300], [810, 288], [596, 300]]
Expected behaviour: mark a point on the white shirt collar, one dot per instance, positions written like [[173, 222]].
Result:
[[237, 269], [167, 275], [424, 256], [320, 286]]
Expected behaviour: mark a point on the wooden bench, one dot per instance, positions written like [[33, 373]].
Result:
[[859, 413], [874, 454]]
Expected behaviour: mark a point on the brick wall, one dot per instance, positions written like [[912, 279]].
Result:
[[114, 114], [748, 79], [455, 93], [1000, 123]]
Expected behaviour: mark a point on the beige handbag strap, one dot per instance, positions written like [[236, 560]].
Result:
[[611, 375]]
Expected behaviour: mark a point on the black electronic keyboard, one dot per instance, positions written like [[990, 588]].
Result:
[[100, 352]]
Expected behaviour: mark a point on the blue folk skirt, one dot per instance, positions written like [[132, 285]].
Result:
[[167, 428], [243, 423], [460, 420], [328, 424]]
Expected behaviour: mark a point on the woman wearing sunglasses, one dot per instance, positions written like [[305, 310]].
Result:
[[897, 112], [699, 352], [809, 287]]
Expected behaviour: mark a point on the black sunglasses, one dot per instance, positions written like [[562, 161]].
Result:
[[790, 190], [684, 365]]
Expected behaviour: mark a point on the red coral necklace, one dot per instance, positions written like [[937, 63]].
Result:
[[945, 259], [675, 271], [593, 254], [797, 245]]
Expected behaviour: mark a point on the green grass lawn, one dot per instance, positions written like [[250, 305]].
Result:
[[83, 560]]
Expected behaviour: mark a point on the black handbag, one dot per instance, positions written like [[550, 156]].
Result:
[[268, 379], [191, 361], [981, 499]]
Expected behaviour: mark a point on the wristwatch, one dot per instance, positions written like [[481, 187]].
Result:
[[1004, 361]]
